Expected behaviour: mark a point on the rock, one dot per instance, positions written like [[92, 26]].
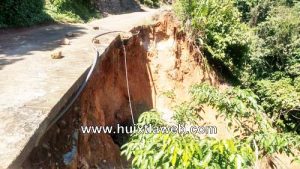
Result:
[[65, 41], [96, 41], [56, 55], [96, 27], [70, 34], [105, 14]]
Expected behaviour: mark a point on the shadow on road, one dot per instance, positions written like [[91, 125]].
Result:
[[18, 42], [44, 38], [4, 61]]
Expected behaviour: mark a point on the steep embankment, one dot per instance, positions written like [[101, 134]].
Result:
[[160, 59], [162, 63]]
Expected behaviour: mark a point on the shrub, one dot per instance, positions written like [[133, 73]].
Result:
[[71, 10], [166, 150], [256, 56], [280, 42], [276, 63], [151, 3], [254, 11], [163, 150], [22, 12], [30, 12], [216, 25], [281, 101]]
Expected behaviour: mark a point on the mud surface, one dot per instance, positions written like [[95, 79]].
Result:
[[160, 59]]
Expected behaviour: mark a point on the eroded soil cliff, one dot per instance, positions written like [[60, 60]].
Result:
[[160, 60]]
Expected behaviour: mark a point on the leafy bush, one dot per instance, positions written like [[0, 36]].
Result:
[[184, 151], [216, 25], [253, 11], [161, 150], [30, 12], [281, 101], [297, 84], [280, 46], [256, 11], [22, 12], [71, 10], [232, 103], [275, 65], [256, 40], [150, 3], [266, 60], [186, 112], [267, 137]]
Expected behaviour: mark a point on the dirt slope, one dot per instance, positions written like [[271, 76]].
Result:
[[159, 58], [162, 64]]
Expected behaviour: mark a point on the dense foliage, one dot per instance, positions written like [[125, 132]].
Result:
[[186, 151], [22, 12], [30, 12], [175, 150], [151, 3], [258, 41], [241, 105], [254, 11], [280, 47], [70, 10], [281, 100], [216, 25], [275, 64]]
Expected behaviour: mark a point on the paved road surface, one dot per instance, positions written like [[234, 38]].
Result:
[[33, 87]]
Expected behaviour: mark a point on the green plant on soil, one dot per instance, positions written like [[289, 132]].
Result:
[[71, 10], [22, 12], [151, 3], [15, 13], [178, 150], [256, 43]]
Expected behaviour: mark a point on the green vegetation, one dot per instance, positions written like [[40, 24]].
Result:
[[170, 150], [151, 3], [281, 101], [170, 94], [256, 42], [176, 151], [29, 12], [71, 10], [218, 28], [22, 12]]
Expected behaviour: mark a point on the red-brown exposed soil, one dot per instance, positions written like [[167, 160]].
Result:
[[160, 58]]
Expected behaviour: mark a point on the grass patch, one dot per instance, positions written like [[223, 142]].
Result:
[[17, 13], [68, 11]]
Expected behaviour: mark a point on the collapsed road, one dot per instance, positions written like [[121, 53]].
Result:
[[34, 87]]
